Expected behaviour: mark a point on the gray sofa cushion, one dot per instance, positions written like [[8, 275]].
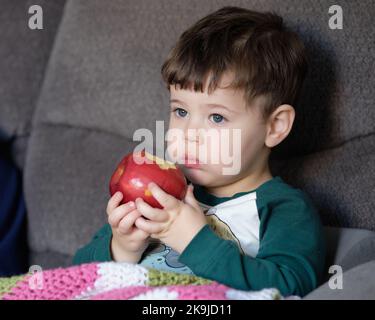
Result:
[[341, 180], [23, 59], [114, 70], [106, 79], [68, 183], [362, 252], [357, 284], [49, 259], [348, 247]]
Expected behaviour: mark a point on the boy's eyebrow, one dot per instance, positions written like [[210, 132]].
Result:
[[208, 105]]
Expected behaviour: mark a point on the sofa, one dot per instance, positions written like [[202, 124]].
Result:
[[73, 93]]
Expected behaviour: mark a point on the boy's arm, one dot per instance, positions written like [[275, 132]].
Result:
[[291, 255], [98, 249]]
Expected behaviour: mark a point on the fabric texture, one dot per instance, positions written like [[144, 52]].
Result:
[[120, 281], [358, 283], [349, 247], [24, 56]]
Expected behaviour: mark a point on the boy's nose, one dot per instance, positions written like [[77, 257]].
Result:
[[192, 135]]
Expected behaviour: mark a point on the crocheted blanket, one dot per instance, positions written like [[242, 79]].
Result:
[[119, 281]]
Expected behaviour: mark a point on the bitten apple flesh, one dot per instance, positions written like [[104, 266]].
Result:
[[132, 178]]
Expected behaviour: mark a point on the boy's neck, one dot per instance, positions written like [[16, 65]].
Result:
[[248, 183]]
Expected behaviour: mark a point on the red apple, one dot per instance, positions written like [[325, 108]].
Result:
[[132, 178]]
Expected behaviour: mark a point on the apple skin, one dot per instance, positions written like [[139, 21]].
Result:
[[132, 178]]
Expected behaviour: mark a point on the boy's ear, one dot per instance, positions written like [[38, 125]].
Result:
[[279, 124]]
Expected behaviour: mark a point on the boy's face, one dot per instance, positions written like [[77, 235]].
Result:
[[243, 152]]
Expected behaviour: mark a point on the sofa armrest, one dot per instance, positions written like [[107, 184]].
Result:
[[358, 283]]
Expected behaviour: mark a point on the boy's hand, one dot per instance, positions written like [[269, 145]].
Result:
[[177, 223], [128, 242]]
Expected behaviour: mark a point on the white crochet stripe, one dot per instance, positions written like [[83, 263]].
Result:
[[265, 294], [157, 294], [115, 275]]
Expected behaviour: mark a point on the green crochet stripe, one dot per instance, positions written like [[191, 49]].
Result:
[[6, 284], [161, 278]]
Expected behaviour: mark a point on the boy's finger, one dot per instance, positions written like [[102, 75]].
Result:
[[114, 201], [165, 199], [149, 212], [140, 234], [149, 226], [119, 212], [126, 223]]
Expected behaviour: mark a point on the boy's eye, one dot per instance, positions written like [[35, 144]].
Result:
[[217, 118], [180, 112]]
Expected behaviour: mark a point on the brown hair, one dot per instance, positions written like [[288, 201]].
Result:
[[265, 57]]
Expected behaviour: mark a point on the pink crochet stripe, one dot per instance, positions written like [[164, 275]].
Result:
[[58, 284], [122, 293], [213, 291], [187, 292]]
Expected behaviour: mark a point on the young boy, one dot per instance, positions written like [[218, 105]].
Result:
[[233, 69]]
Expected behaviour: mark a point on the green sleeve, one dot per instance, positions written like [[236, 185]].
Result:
[[98, 249], [290, 257]]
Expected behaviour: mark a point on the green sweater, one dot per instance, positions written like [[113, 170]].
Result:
[[268, 237]]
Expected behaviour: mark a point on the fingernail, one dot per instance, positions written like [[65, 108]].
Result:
[[131, 204], [118, 194]]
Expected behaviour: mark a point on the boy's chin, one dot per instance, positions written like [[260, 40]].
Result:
[[196, 176], [200, 177]]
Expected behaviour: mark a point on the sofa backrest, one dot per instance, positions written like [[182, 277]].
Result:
[[24, 56], [103, 83]]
